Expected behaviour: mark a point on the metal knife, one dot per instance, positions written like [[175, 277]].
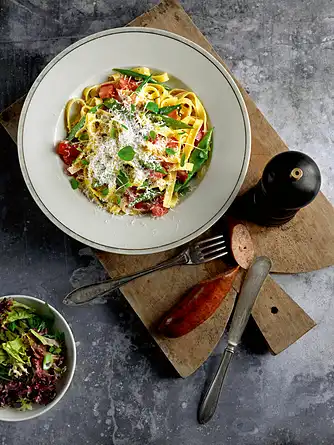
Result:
[[251, 287]]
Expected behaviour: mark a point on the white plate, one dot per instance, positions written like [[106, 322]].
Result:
[[89, 61]]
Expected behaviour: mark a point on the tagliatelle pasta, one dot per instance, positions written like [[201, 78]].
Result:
[[134, 144]]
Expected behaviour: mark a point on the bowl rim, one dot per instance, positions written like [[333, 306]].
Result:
[[60, 395], [162, 248]]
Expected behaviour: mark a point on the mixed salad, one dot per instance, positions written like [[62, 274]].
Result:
[[31, 356]]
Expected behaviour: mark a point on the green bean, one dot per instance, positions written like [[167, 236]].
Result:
[[198, 157], [81, 123]]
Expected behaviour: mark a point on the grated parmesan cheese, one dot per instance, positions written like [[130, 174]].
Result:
[[105, 162]]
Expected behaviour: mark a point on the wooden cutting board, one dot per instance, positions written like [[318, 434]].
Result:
[[309, 235]]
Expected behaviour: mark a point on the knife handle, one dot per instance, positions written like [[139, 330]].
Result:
[[210, 400]]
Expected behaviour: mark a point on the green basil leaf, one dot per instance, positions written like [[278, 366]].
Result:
[[84, 162], [170, 151], [74, 183], [105, 191], [152, 106], [153, 134], [126, 153], [122, 181]]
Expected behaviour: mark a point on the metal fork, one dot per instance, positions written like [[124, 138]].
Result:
[[197, 253]]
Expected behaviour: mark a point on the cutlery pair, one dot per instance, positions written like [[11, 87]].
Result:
[[197, 253]]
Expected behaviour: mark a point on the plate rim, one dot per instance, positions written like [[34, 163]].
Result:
[[150, 250]]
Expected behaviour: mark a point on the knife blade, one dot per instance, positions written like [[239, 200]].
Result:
[[251, 287]]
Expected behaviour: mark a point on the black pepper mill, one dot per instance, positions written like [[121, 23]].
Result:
[[290, 181]]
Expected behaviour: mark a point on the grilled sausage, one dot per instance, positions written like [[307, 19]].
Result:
[[197, 305]]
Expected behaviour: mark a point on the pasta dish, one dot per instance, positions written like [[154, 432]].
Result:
[[134, 144]]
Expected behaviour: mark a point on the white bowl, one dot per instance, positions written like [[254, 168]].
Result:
[[90, 61], [14, 415]]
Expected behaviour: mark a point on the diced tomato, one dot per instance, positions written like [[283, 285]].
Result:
[[108, 91], [167, 165], [157, 138], [63, 147], [158, 209], [131, 194], [172, 143], [156, 175], [173, 114], [68, 151], [199, 136], [127, 84], [143, 206], [182, 176]]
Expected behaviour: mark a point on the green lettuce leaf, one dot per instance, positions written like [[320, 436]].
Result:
[[25, 405], [19, 311], [37, 323], [45, 340], [9, 336], [4, 373], [17, 357], [4, 359], [23, 306], [17, 351]]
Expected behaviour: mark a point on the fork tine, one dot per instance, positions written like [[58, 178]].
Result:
[[209, 246], [206, 260], [217, 249], [208, 240]]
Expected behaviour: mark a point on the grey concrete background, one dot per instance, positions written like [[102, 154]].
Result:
[[124, 391]]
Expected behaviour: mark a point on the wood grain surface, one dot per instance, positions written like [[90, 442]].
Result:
[[151, 296], [280, 319]]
